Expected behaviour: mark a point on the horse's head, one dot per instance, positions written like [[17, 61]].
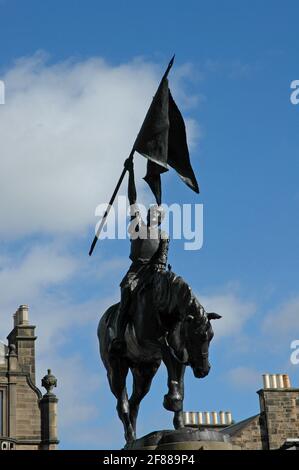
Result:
[[199, 333]]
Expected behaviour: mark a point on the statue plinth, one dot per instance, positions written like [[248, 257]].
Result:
[[184, 439]]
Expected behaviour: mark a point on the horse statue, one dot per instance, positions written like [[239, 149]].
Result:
[[166, 323]]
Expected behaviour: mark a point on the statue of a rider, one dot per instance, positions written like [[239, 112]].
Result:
[[149, 250]]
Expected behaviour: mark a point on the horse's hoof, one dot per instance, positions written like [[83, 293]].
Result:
[[172, 404], [178, 423], [129, 444], [130, 438]]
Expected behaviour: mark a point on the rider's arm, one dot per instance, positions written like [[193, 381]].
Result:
[[132, 195], [136, 220], [160, 257]]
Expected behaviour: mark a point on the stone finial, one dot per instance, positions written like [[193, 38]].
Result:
[[12, 350], [49, 382]]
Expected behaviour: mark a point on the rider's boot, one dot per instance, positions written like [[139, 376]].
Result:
[[118, 345]]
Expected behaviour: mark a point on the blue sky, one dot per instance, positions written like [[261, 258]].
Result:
[[79, 77]]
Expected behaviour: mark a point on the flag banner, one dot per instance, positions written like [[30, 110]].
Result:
[[152, 140], [162, 140], [178, 154], [153, 179]]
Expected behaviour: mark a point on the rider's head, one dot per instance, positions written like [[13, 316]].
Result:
[[155, 215]]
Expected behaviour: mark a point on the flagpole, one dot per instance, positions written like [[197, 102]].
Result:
[[109, 206], [120, 180], [168, 68]]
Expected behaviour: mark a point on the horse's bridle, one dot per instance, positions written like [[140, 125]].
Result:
[[173, 353]]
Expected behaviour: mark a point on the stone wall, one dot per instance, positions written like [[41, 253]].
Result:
[[281, 410], [28, 416], [252, 436]]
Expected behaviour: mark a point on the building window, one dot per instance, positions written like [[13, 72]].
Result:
[[1, 413], [2, 353]]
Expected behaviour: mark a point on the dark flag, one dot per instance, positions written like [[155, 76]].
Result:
[[153, 179], [152, 139], [178, 153], [162, 139]]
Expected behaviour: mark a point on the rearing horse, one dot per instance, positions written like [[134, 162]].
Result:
[[166, 323]]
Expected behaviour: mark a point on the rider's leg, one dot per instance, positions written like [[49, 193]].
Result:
[[118, 345]]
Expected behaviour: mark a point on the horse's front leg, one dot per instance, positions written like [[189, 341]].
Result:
[[173, 400], [178, 420]]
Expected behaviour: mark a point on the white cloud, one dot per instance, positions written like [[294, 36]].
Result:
[[65, 131], [234, 310], [43, 265], [25, 280], [245, 377], [283, 320], [75, 386], [56, 310]]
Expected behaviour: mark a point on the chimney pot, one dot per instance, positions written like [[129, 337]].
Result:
[[280, 381], [207, 417], [22, 315], [273, 380], [222, 417], [192, 417], [228, 417], [186, 418], [214, 417], [266, 381], [286, 381]]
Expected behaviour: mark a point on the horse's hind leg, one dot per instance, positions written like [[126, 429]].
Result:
[[117, 375], [142, 378]]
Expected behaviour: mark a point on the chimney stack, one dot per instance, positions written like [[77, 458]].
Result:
[[23, 338], [279, 404]]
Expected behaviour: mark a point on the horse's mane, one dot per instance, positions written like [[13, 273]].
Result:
[[173, 294]]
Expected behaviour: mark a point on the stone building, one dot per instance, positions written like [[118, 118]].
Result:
[[28, 419], [276, 426]]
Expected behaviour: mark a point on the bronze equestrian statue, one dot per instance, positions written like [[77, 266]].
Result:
[[158, 319]]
